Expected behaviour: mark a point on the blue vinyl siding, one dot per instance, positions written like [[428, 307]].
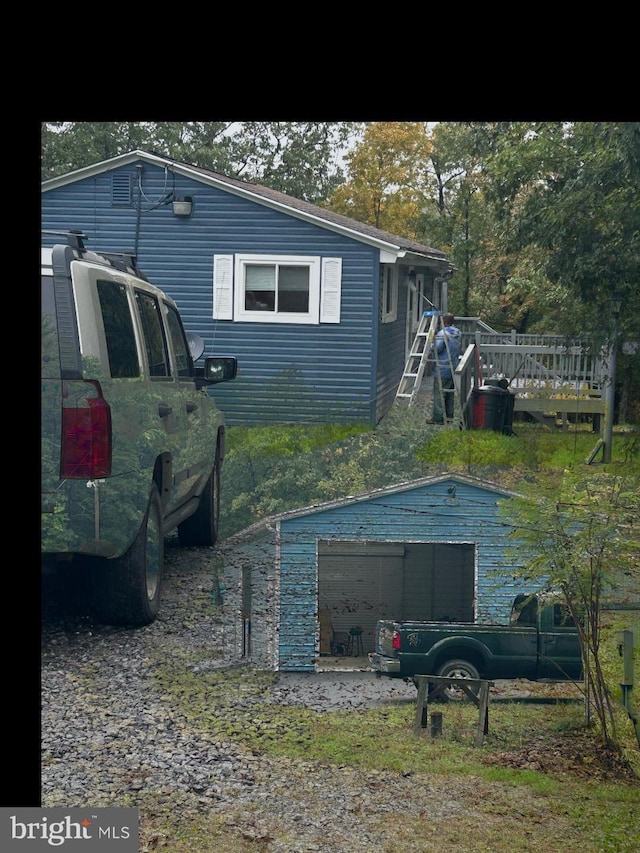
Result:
[[288, 372], [414, 515], [391, 354]]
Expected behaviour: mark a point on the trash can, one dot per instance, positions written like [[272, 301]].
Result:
[[493, 408]]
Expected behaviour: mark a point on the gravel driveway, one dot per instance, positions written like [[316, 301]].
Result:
[[111, 736]]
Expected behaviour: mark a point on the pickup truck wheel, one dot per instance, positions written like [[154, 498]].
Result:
[[202, 527], [457, 669], [126, 590]]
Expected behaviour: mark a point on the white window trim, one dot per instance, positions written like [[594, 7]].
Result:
[[419, 304], [325, 284], [388, 288]]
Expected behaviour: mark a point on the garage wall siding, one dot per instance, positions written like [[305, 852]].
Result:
[[426, 514]]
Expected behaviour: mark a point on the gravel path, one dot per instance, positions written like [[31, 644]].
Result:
[[111, 737]]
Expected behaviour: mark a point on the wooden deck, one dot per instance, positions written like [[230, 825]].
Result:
[[551, 376]]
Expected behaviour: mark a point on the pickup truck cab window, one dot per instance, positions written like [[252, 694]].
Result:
[[525, 610], [562, 617]]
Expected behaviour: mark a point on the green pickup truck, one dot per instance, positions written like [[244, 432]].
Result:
[[540, 644]]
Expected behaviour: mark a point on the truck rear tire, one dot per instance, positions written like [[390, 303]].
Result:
[[457, 669]]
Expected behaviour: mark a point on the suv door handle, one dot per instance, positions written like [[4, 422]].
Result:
[[192, 407], [164, 410]]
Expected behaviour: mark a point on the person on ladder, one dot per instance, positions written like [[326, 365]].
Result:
[[447, 352]]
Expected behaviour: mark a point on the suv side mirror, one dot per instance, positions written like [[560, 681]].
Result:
[[217, 368]]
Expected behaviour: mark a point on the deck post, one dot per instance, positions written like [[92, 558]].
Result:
[[610, 391]]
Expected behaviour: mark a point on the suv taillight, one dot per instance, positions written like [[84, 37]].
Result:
[[86, 432], [396, 645]]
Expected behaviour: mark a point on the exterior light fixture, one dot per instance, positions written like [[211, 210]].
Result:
[[183, 206], [452, 499]]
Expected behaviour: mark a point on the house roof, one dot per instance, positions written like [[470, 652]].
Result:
[[392, 246], [273, 521]]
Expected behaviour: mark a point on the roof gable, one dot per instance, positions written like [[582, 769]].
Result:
[[396, 246], [441, 480]]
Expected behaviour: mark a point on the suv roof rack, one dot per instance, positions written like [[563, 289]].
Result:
[[75, 238], [123, 261]]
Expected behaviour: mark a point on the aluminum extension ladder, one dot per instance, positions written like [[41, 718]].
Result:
[[421, 351]]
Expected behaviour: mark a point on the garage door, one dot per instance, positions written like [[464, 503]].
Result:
[[360, 583]]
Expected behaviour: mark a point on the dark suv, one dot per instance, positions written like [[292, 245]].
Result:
[[131, 442]]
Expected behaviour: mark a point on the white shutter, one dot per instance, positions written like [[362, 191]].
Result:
[[330, 290], [223, 287]]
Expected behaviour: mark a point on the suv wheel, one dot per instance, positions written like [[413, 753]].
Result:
[[201, 528], [127, 589]]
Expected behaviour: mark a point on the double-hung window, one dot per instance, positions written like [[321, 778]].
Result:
[[277, 289]]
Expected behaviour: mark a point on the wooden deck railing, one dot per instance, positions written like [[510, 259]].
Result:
[[547, 373]]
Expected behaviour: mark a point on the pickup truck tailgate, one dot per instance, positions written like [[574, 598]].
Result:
[[383, 639], [384, 659]]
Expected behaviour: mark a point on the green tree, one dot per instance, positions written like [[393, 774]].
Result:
[[578, 532], [66, 146], [569, 192], [301, 159], [458, 221]]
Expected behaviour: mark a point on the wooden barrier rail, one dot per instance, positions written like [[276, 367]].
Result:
[[481, 699]]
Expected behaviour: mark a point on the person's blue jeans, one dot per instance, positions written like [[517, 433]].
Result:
[[442, 388]]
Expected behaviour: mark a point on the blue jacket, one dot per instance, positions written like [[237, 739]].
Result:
[[447, 360]]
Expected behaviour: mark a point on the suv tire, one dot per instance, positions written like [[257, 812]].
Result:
[[127, 589], [201, 528]]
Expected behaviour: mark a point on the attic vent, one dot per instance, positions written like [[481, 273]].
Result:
[[121, 190]]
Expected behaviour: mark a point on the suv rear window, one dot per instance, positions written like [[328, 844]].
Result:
[[118, 329]]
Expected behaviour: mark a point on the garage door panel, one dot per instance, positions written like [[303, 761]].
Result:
[[360, 585], [363, 582]]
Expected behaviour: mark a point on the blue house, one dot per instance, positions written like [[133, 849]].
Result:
[[320, 310], [434, 548]]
